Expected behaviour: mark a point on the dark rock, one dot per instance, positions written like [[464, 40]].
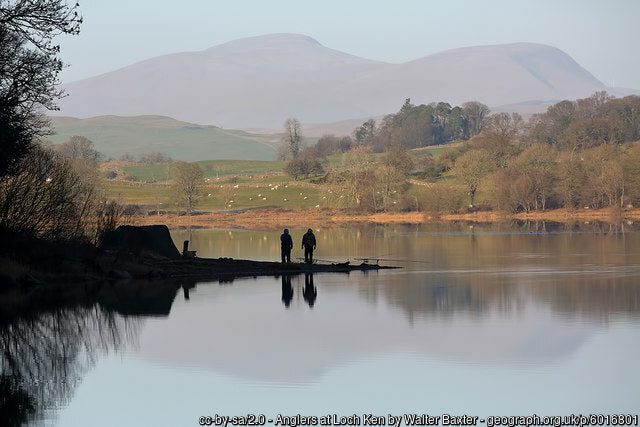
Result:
[[150, 238], [119, 274], [28, 281], [7, 282]]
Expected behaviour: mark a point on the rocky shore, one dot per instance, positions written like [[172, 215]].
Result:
[[132, 253]]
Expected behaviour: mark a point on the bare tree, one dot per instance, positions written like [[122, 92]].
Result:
[[292, 138], [29, 68], [346, 182], [477, 116], [186, 178], [47, 198], [505, 125], [154, 158], [471, 168], [79, 147], [538, 163]]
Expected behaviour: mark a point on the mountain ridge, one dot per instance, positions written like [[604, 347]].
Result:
[[258, 82]]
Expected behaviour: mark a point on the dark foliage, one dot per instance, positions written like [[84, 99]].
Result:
[[29, 68], [423, 125]]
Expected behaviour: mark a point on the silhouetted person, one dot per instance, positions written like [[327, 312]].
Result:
[[287, 290], [309, 293], [308, 244], [286, 244]]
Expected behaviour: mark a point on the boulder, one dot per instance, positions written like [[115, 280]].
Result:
[[149, 238]]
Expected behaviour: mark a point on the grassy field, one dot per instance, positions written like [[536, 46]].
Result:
[[241, 170], [138, 194], [149, 173], [232, 184], [221, 168], [216, 197], [229, 170]]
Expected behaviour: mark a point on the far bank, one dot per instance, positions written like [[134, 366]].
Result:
[[273, 218]]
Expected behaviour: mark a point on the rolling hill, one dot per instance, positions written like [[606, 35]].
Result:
[[114, 136], [258, 82]]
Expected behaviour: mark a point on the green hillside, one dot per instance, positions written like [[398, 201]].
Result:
[[115, 136], [240, 169]]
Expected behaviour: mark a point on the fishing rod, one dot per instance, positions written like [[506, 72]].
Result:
[[372, 258], [396, 260], [382, 258], [366, 260], [316, 260]]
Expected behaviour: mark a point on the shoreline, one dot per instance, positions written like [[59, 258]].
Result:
[[275, 218]]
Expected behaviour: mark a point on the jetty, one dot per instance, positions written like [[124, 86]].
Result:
[[193, 268], [149, 252]]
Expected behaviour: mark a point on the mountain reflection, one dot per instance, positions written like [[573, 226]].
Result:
[[48, 343]]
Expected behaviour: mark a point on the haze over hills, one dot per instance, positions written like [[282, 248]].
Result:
[[258, 82]]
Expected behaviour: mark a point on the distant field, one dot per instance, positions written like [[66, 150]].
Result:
[[149, 173], [234, 184], [115, 136], [219, 168], [138, 194], [242, 169], [226, 196]]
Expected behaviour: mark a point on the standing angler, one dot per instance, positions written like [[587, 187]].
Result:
[[308, 244], [286, 244]]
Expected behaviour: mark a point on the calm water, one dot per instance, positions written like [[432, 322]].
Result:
[[480, 321]]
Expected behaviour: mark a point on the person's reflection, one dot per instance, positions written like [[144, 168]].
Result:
[[310, 292], [287, 290]]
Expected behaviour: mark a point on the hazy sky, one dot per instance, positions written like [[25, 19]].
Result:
[[601, 35]]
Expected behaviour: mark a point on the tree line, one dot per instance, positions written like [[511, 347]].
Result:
[[579, 153]]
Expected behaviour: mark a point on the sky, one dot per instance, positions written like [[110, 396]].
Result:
[[601, 35]]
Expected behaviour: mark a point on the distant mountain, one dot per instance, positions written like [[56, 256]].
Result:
[[258, 82], [115, 136]]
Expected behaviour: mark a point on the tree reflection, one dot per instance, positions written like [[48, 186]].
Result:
[[593, 295], [44, 356]]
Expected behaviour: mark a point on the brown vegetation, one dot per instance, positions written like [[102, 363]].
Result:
[[265, 219]]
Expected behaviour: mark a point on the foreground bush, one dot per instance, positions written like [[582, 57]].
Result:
[[46, 198]]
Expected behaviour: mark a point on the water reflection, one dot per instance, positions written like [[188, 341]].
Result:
[[48, 342], [44, 357], [479, 295], [287, 290], [587, 294], [418, 246], [498, 307], [590, 269], [310, 292]]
